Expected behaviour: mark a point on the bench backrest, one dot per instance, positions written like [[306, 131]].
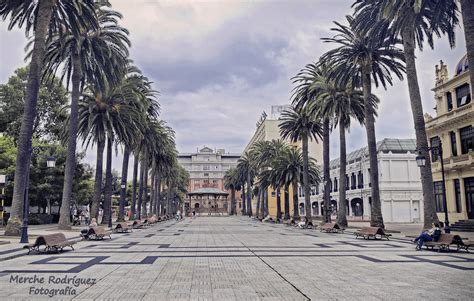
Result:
[[372, 230], [122, 225], [50, 239], [98, 230], [331, 226], [449, 238], [137, 222]]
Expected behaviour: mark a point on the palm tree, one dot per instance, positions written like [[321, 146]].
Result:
[[360, 59], [231, 182], [311, 82], [246, 168], [96, 56], [41, 17], [297, 124], [413, 21], [467, 9]]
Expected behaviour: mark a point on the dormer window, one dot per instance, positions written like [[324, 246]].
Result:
[[463, 95]]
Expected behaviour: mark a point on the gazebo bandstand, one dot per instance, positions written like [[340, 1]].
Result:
[[208, 201]]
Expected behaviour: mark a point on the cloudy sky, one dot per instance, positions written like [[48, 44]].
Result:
[[219, 64]]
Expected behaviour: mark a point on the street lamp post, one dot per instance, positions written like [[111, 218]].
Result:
[[421, 161], [50, 163]]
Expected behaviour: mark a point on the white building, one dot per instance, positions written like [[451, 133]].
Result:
[[399, 181]]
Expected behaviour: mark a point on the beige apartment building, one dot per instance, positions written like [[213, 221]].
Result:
[[452, 127], [267, 129]]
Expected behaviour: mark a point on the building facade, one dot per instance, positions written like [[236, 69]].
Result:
[[452, 128], [267, 129], [207, 168], [399, 181]]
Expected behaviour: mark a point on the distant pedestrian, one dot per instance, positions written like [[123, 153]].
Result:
[[86, 215]]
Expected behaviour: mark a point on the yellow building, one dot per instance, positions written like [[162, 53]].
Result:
[[453, 128], [267, 130]]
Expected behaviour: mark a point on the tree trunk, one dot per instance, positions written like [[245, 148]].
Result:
[[295, 200], [257, 210], [249, 194], [429, 205], [64, 218], [168, 206], [123, 181], [43, 18], [140, 192], [232, 200], [262, 205], [341, 214], [278, 196], [145, 188], [244, 212], [106, 213], [376, 219], [287, 203], [158, 194], [152, 193], [467, 9], [326, 174], [307, 193], [98, 179], [134, 185], [266, 202]]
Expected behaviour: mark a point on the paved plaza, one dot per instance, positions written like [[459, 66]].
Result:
[[236, 258]]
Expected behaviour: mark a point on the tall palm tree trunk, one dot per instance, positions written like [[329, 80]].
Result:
[[287, 203], [341, 214], [278, 195], [158, 204], [266, 202], [307, 195], [45, 9], [467, 9], [244, 212], [295, 199], [152, 194], [429, 206], [140, 192], [64, 218], [145, 187], [249, 194], [168, 205], [376, 219], [262, 206], [326, 174], [134, 185], [98, 179], [232, 200], [257, 210], [123, 181], [108, 185]]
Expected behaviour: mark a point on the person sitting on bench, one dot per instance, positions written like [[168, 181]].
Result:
[[91, 225], [303, 223], [432, 234]]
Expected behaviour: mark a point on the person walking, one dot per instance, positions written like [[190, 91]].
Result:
[[86, 216]]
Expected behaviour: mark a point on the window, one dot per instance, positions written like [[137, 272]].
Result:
[[335, 184], [353, 181], [467, 139], [469, 192], [214, 181], [206, 174], [313, 190], [457, 193], [439, 199], [449, 100], [435, 142], [347, 182], [273, 194], [360, 179], [454, 150], [205, 167], [368, 172], [330, 186], [317, 189], [463, 95]]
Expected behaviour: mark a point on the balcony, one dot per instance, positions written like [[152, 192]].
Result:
[[455, 163]]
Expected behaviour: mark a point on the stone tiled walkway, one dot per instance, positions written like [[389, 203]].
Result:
[[230, 258]]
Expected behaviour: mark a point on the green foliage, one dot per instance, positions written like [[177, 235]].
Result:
[[51, 116]]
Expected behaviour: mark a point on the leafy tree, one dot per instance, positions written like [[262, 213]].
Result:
[[50, 118]]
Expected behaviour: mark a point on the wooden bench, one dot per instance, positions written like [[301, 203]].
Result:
[[122, 228], [98, 233], [445, 240], [56, 242], [332, 228], [368, 232], [138, 224]]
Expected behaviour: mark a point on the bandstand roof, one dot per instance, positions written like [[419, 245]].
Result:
[[208, 191]]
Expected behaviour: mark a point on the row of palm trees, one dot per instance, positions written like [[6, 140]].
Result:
[[113, 105], [377, 44]]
